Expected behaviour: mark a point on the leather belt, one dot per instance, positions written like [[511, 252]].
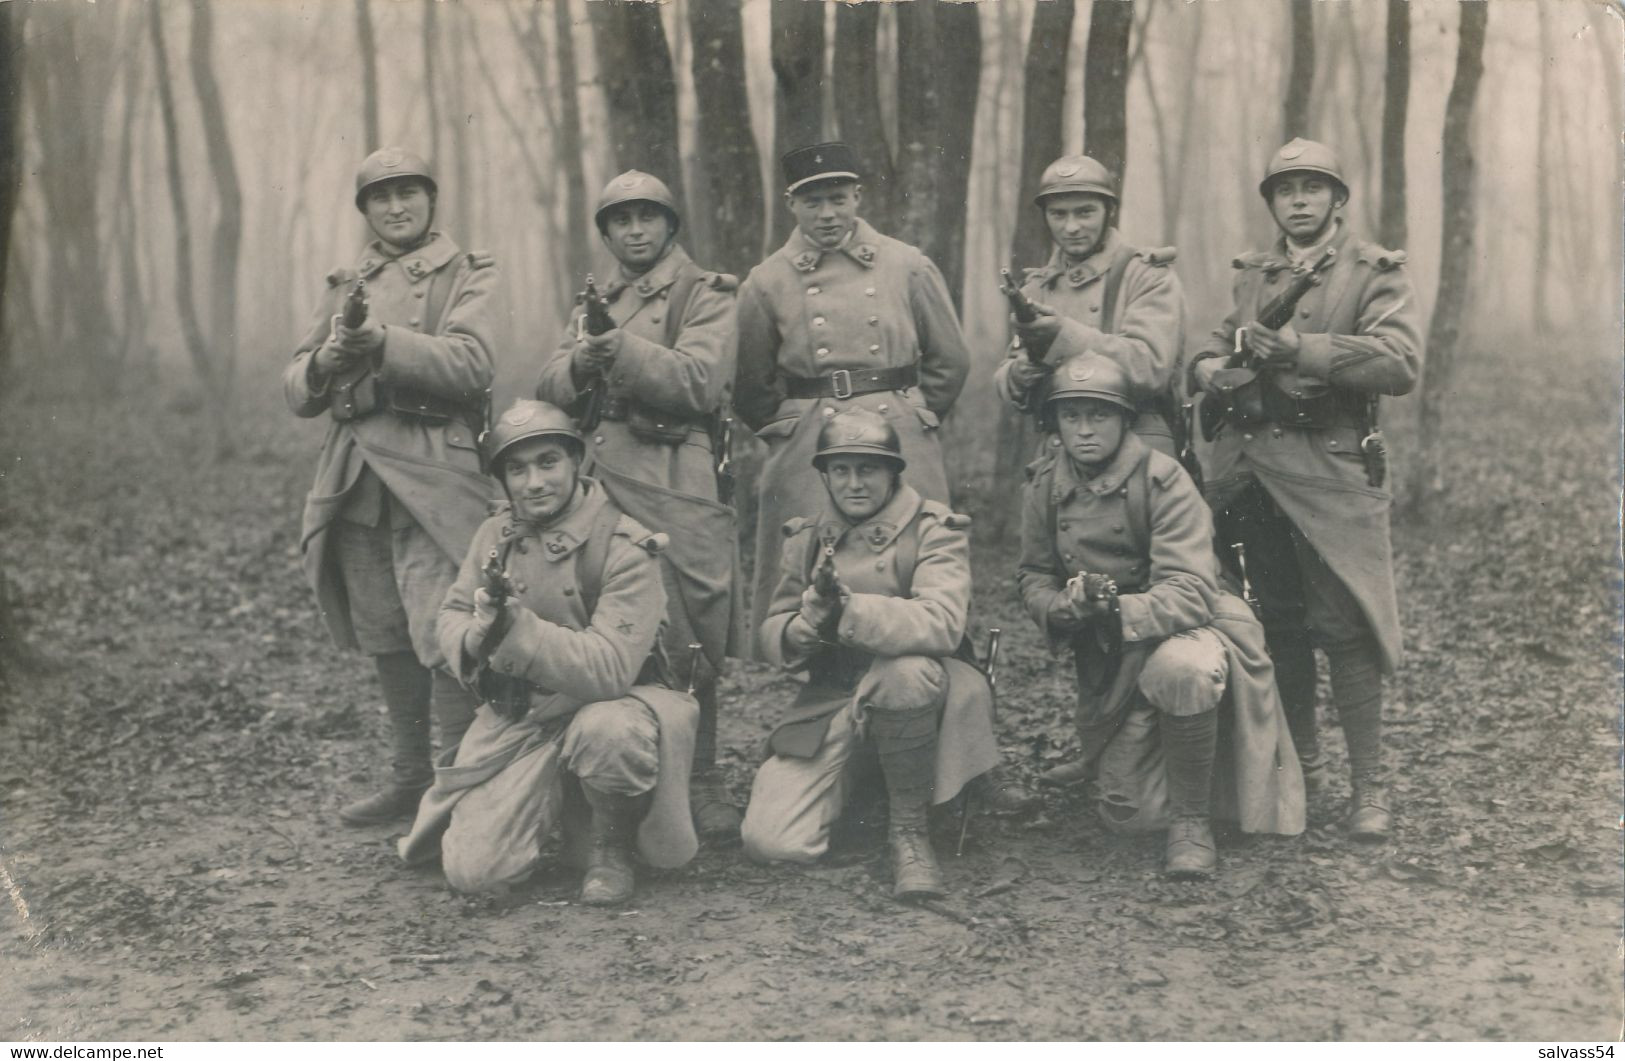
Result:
[[846, 383]]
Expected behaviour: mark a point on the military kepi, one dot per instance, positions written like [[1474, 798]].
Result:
[[820, 162]]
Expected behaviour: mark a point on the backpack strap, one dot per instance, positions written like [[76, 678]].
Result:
[[682, 291], [592, 557], [1111, 284], [1138, 503]]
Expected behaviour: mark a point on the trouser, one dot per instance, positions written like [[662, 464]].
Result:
[[394, 577], [794, 802], [1161, 755], [1304, 605], [497, 828]]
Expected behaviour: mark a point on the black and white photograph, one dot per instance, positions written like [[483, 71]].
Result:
[[721, 521]]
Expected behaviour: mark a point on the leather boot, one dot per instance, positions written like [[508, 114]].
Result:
[[1067, 775], [1369, 816], [715, 815], [609, 880], [907, 743], [1003, 795], [1188, 743], [394, 803]]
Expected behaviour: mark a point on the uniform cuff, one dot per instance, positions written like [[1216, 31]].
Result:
[[1134, 615], [1315, 356]]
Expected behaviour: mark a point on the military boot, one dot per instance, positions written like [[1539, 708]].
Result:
[[1369, 818], [395, 803], [1003, 794], [907, 743], [610, 879], [715, 815], [1188, 743], [1068, 775]]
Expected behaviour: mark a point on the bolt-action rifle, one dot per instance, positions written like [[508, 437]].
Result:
[[1024, 309], [1243, 366], [354, 314], [508, 696], [1107, 636], [828, 586], [595, 320]]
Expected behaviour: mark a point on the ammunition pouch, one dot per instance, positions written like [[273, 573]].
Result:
[[649, 424], [356, 397], [1250, 397]]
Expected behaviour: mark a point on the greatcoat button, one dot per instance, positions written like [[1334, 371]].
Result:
[[414, 322], [869, 291], [655, 318], [874, 320], [1247, 437], [813, 290], [880, 565], [598, 439], [823, 351], [569, 591], [874, 348], [818, 320]]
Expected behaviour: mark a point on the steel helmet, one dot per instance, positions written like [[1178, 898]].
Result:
[[527, 419], [636, 186], [1090, 375], [858, 431], [1309, 156], [1076, 173], [387, 164]]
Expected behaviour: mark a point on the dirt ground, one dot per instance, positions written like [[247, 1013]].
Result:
[[177, 736]]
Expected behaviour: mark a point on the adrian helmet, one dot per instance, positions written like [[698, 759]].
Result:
[[636, 186], [1089, 375], [1076, 173], [1308, 156], [387, 164], [858, 431], [527, 419]]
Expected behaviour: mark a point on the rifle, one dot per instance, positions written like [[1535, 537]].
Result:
[[354, 314], [1247, 594], [1374, 448], [724, 446], [828, 586], [694, 653], [1023, 308], [1242, 366], [990, 667], [1108, 636], [595, 320], [509, 697]]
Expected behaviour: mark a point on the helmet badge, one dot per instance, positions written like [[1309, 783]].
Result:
[[1292, 150], [1068, 170], [390, 159], [1080, 373], [517, 416]]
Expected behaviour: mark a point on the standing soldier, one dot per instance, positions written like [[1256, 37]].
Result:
[[402, 370], [1098, 293], [840, 317], [649, 391], [872, 601], [1297, 470], [554, 617]]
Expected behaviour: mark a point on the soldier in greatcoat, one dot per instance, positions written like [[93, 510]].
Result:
[[555, 619], [399, 490], [840, 317], [656, 384], [872, 601], [1297, 472], [1117, 566], [1098, 293]]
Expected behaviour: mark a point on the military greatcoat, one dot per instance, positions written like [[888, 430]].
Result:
[[434, 303], [1360, 339], [653, 449], [875, 303]]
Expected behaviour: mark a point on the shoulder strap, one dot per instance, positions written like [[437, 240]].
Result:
[[908, 552], [1110, 284], [594, 555], [1139, 506], [439, 290], [682, 290]]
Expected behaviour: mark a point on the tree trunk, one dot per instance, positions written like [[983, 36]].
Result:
[[367, 44], [1397, 78], [133, 329], [459, 113], [431, 82], [798, 71], [569, 141], [634, 63], [1455, 252], [197, 346], [959, 70], [1300, 81], [729, 234], [1105, 79], [11, 96], [1041, 141], [1544, 162], [228, 227], [857, 110]]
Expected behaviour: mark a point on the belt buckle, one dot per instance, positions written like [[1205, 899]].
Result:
[[841, 380]]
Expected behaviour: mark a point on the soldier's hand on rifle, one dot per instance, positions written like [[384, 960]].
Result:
[[1203, 371], [1091, 596], [818, 611], [366, 340], [594, 353], [1041, 331], [487, 609], [1276, 348], [1024, 375], [334, 360]]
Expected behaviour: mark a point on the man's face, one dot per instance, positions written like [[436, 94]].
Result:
[[1091, 429], [1077, 223], [399, 211], [825, 212], [1302, 204], [540, 477], [637, 234], [860, 486]]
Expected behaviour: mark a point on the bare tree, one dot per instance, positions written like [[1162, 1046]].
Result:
[[367, 44], [228, 226], [1044, 90], [1396, 100], [1544, 163], [11, 92], [634, 62], [798, 71], [729, 235], [431, 80], [959, 67], [1456, 249], [1105, 78], [1300, 80], [858, 108]]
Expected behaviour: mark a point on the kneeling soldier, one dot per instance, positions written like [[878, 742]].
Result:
[[871, 601], [577, 723], [1117, 563]]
